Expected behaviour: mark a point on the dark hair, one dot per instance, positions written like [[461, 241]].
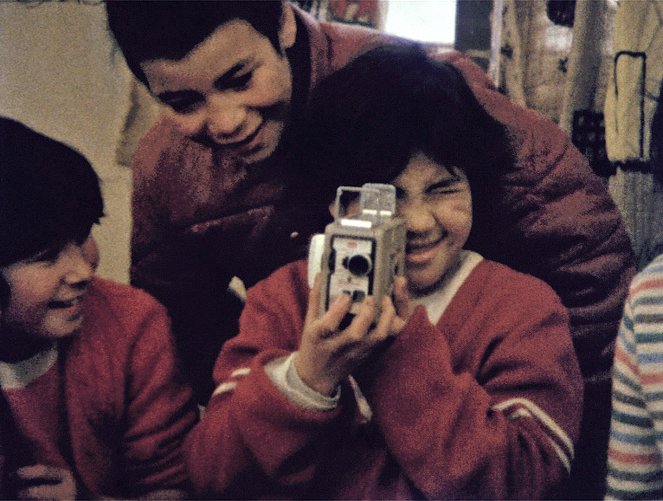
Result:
[[49, 193], [147, 30], [365, 121], [4, 294]]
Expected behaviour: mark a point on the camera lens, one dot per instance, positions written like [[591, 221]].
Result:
[[359, 264]]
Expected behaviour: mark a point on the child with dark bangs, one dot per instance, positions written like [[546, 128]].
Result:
[[91, 402]]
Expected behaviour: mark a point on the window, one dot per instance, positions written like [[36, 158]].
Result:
[[429, 21]]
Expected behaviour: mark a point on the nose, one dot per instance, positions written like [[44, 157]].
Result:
[[77, 269], [418, 218], [225, 120]]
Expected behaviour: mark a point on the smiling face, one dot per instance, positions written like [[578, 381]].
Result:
[[437, 207], [46, 290], [232, 90]]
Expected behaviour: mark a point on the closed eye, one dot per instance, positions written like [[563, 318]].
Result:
[[451, 185], [181, 102], [240, 82], [48, 256]]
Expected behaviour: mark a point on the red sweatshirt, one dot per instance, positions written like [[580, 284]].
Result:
[[108, 403], [484, 404]]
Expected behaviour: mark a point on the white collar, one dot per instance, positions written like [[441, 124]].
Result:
[[437, 301], [20, 374]]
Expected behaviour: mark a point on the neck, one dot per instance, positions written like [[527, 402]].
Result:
[[17, 346]]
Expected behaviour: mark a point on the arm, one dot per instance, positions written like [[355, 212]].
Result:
[[159, 414], [486, 407], [635, 449], [253, 441]]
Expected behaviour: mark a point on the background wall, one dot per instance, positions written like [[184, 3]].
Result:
[[61, 77]]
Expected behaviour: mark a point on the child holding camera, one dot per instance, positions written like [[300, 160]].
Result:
[[91, 404], [466, 386]]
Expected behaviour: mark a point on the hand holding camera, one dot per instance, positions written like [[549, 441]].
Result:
[[358, 265], [41, 481], [329, 353]]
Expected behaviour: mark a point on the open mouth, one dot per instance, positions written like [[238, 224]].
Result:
[[65, 304]]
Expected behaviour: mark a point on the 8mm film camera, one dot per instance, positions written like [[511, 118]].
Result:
[[362, 251]]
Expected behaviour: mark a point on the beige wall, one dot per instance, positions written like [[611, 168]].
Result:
[[60, 75]]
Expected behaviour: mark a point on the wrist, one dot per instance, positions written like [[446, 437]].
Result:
[[311, 378]]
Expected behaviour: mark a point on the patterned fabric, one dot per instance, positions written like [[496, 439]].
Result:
[[635, 455]]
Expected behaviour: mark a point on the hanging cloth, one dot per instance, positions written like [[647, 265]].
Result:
[[633, 89]]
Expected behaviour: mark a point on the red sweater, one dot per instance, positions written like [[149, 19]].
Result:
[[484, 404], [113, 409]]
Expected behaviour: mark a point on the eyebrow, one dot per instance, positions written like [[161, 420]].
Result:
[[220, 82]]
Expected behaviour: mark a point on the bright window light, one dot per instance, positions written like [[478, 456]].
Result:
[[432, 21]]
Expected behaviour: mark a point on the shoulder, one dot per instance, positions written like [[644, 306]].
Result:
[[333, 45], [647, 285], [649, 278], [121, 297], [284, 284], [505, 285], [114, 310], [122, 327], [539, 145]]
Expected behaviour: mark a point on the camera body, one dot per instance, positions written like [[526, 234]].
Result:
[[362, 253]]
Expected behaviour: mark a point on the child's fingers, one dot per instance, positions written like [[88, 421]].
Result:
[[40, 471], [363, 319], [313, 310], [384, 328], [330, 321], [401, 297]]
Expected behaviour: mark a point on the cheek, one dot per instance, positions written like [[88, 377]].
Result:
[[191, 124], [30, 292], [273, 86], [457, 217], [25, 308]]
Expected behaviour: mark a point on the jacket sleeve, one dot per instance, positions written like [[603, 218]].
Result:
[[554, 218], [506, 431], [160, 410], [252, 441]]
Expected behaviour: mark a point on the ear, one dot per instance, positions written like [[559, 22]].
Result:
[[288, 30]]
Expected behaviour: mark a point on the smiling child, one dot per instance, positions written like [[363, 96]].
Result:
[[91, 403]]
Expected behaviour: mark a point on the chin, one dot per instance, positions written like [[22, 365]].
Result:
[[422, 285], [63, 331], [421, 288]]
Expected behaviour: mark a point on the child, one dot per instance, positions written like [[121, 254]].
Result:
[[467, 385], [90, 401], [635, 452]]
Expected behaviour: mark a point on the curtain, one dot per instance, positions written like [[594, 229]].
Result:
[[633, 93], [554, 57]]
